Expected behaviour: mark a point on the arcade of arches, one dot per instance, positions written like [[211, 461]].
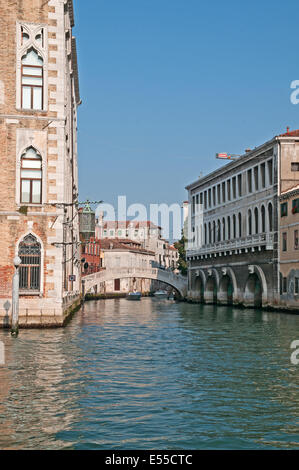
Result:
[[225, 287]]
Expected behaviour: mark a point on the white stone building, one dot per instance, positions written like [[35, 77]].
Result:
[[146, 233], [234, 255], [118, 254]]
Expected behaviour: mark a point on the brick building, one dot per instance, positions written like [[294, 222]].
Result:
[[39, 95], [289, 248], [92, 254]]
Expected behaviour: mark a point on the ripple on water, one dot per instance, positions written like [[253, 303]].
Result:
[[151, 374]]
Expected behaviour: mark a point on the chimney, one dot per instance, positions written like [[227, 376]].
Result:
[[247, 150], [101, 218], [288, 130]]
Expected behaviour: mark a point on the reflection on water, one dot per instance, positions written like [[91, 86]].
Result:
[[152, 374]]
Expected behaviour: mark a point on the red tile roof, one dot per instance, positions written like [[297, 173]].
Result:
[[290, 134], [173, 248], [123, 245], [118, 224]]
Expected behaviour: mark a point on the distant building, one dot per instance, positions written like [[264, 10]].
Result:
[[146, 233], [237, 254], [289, 248], [119, 253], [91, 255]]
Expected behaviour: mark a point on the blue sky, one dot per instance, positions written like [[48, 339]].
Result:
[[166, 84]]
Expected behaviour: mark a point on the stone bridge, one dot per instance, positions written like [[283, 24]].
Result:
[[177, 282]]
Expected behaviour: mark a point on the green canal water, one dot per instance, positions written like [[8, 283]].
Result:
[[153, 375]]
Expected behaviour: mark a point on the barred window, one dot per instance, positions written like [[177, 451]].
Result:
[[30, 269]]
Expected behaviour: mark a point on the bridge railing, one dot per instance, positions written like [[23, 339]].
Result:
[[139, 272]]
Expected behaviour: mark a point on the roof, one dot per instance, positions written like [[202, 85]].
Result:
[[232, 165], [119, 224], [108, 244], [75, 70], [294, 191], [290, 134], [172, 248], [71, 12]]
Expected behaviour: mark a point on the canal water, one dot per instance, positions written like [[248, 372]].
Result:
[[153, 375]]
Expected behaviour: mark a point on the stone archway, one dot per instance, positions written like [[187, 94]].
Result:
[[253, 295], [198, 291], [210, 293], [226, 291]]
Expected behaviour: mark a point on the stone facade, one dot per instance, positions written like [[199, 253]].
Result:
[[234, 244], [39, 95]]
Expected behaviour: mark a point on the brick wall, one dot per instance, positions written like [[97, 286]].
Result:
[[49, 131]]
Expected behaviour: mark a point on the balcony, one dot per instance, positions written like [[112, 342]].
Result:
[[249, 243]]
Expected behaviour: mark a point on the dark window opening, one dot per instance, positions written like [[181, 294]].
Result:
[[284, 241], [284, 209], [295, 206], [249, 179]]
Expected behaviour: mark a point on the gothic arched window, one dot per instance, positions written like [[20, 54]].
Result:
[[31, 177], [30, 269], [32, 81]]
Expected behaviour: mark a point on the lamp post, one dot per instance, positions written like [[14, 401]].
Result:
[[15, 297]]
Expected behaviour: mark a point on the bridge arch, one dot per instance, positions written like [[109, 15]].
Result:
[[177, 282]]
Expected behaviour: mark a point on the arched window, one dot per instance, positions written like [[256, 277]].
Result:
[[270, 216], [218, 231], [263, 219], [206, 241], [30, 269], [256, 220], [249, 222], [214, 232], [223, 230], [234, 227], [240, 224], [31, 177], [210, 233], [228, 228], [32, 81]]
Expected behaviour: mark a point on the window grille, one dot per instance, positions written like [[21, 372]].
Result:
[[30, 269]]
